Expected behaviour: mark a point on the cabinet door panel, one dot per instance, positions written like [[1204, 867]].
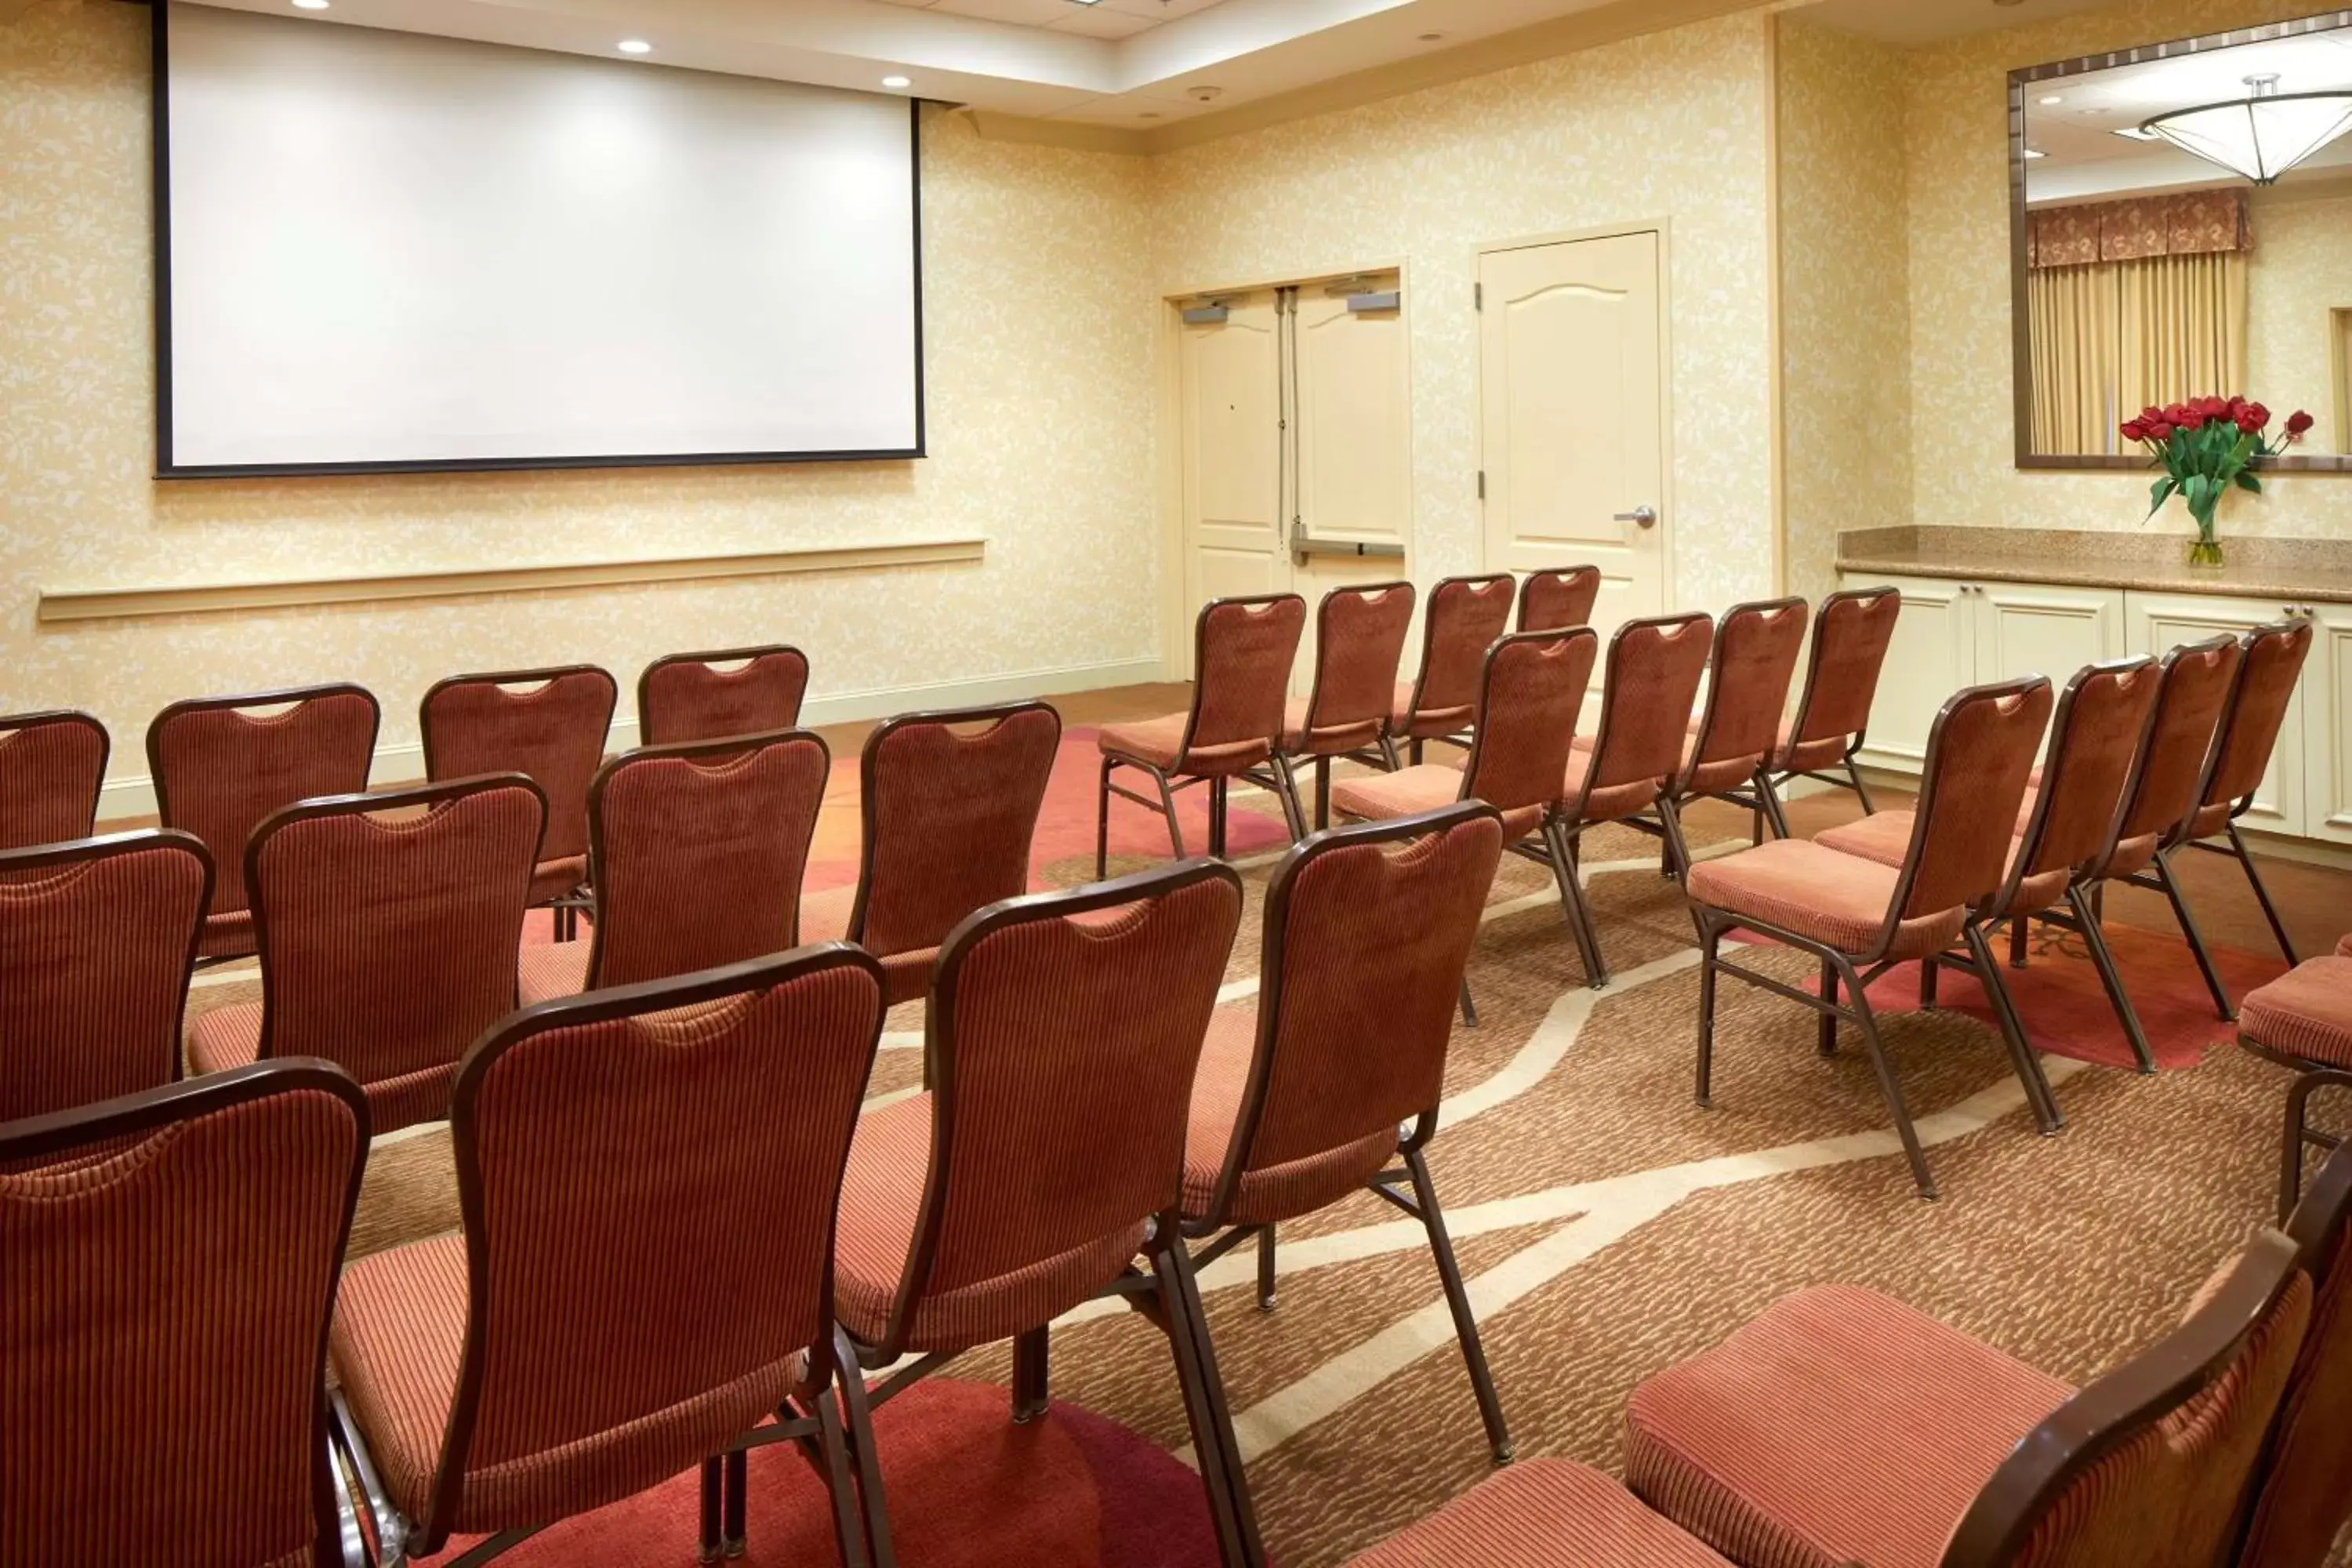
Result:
[[1933, 656], [2025, 629], [2328, 728], [2161, 622]]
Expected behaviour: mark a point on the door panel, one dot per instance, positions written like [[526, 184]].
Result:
[[1572, 410], [1232, 456], [1354, 448], [2162, 622], [1933, 655]]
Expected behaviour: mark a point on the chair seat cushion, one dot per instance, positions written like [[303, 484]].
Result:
[[399, 1334], [2307, 1013], [550, 970], [2344, 947], [1612, 801], [227, 934], [1802, 887], [225, 1037], [1884, 838], [1384, 797], [905, 977], [1160, 742], [553, 880], [1430, 722], [1811, 756], [1278, 1193], [229, 1038], [1331, 740], [1840, 1426], [1543, 1513], [882, 1197]]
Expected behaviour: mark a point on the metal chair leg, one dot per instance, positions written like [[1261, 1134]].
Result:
[[1770, 797], [714, 1490], [1572, 898], [1469, 1008], [1265, 1295], [841, 1487], [1388, 753], [1168, 809], [2038, 1093], [857, 1416], [1294, 811], [1710, 950], [1219, 1451], [2020, 928], [1219, 791], [2263, 896], [2095, 937], [1853, 772], [1825, 1041], [1457, 1300], [2196, 937], [736, 1499], [1322, 793], [1888, 1084], [1928, 970], [1102, 823], [1030, 1385]]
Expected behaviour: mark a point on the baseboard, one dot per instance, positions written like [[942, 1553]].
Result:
[[134, 797]]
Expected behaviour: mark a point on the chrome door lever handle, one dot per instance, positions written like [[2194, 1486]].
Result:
[[1645, 515]]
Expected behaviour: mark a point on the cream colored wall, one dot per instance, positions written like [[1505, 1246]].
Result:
[[1674, 125], [1040, 316], [1845, 320], [1956, 151], [2300, 273]]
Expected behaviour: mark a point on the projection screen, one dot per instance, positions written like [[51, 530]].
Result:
[[381, 251]]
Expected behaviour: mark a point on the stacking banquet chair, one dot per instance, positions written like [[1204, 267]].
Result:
[[1358, 638], [1064, 1032], [52, 766], [2268, 675], [696, 852], [687, 697], [1736, 733], [549, 726], [2161, 795], [2303, 1020], [1309, 1095], [1860, 917], [1559, 600], [168, 1263], [948, 812], [1852, 633], [1841, 1427], [1528, 697], [387, 937], [647, 1178], [96, 940], [1465, 616], [220, 767], [2101, 721], [1242, 653], [1629, 765]]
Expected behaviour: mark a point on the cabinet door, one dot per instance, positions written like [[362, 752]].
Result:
[[2028, 628], [2327, 727], [2161, 622], [1933, 655]]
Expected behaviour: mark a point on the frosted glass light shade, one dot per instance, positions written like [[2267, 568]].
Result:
[[2260, 137]]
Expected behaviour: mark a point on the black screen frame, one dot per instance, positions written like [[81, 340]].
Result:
[[168, 467]]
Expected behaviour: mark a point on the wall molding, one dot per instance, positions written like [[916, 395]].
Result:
[[132, 601], [134, 796]]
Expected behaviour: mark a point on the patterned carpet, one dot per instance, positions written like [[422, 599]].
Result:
[[1608, 1225]]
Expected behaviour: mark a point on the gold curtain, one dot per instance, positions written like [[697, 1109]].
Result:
[[2112, 337]]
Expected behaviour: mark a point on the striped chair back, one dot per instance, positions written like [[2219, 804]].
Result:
[[548, 725], [52, 766], [689, 697]]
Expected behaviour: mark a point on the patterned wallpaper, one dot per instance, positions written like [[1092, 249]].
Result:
[[1845, 324], [1673, 125], [1957, 139], [1040, 318], [2301, 272]]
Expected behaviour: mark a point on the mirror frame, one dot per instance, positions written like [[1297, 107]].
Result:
[[2021, 311]]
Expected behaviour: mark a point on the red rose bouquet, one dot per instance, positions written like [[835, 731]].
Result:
[[2205, 446]]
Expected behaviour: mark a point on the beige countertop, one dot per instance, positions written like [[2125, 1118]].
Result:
[[2295, 571]]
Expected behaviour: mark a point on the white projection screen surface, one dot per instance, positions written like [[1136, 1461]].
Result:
[[385, 251]]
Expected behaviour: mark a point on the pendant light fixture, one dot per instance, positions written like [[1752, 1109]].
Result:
[[2262, 135]]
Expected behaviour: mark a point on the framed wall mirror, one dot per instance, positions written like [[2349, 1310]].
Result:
[[2181, 227]]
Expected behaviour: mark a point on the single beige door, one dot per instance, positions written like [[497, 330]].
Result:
[[1232, 456], [1352, 502], [1573, 413]]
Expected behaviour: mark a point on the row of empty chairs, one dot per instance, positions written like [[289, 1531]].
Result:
[[175, 1252]]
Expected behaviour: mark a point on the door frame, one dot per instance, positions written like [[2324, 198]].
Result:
[[1663, 228], [1175, 615]]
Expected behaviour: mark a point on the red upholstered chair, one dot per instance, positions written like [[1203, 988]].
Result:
[[97, 939], [1359, 638], [1467, 615], [1851, 635], [2303, 1020], [2100, 725], [2166, 779], [1064, 1033], [548, 725], [1842, 1426], [1736, 734], [696, 852], [1559, 600], [1307, 1094], [388, 925], [1242, 653], [1544, 1513], [2268, 677], [1529, 698], [168, 1263], [1628, 767], [220, 766], [687, 697], [647, 1177], [52, 766], [1860, 917], [949, 805]]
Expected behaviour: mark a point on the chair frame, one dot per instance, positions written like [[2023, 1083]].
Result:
[[1220, 786], [1417, 743], [1222, 1237], [1770, 804], [2299, 1135], [1382, 751], [1856, 972], [722, 750], [1169, 1294], [714, 655], [2107, 1414], [811, 1421], [47, 718], [38, 1138], [1762, 800]]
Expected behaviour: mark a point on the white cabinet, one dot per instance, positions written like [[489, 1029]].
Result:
[[2327, 727], [2162, 622]]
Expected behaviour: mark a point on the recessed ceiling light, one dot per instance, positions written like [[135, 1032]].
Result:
[[1431, 37], [1086, 1], [896, 81], [2035, 152], [635, 46], [2053, 101], [1149, 114], [310, 4]]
